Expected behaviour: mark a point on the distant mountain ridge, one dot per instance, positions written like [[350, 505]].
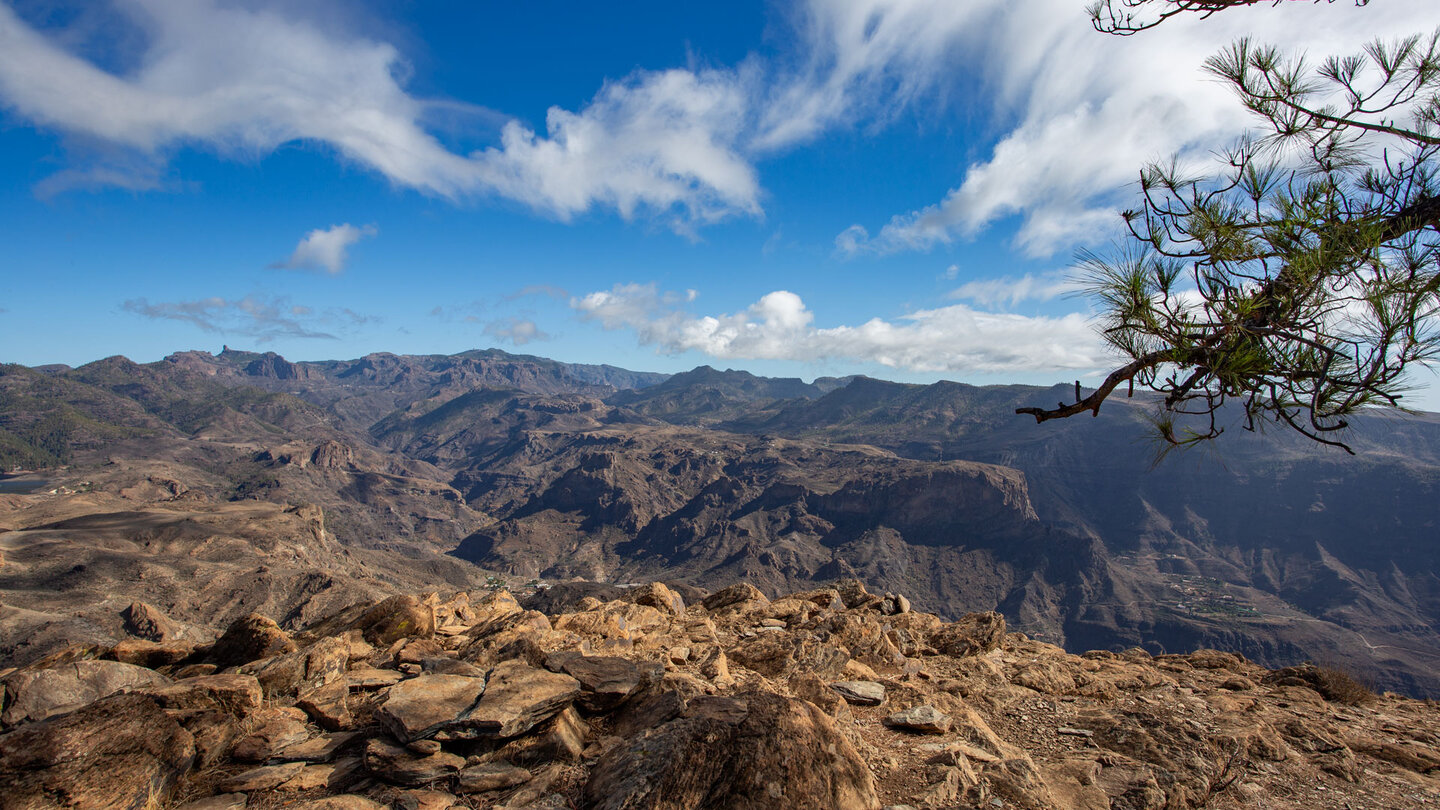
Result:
[[542, 469]]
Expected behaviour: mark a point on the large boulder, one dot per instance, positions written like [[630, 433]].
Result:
[[739, 595], [417, 708], [40, 692], [607, 680], [971, 634], [398, 617], [759, 751], [250, 638], [517, 697], [146, 621], [120, 752]]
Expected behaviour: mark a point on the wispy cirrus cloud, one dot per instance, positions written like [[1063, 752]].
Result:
[[1006, 292], [264, 318], [326, 249], [779, 326], [1089, 109]]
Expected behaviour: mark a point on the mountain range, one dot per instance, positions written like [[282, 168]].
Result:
[[386, 472]]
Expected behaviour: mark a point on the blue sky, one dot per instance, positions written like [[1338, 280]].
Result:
[[887, 187]]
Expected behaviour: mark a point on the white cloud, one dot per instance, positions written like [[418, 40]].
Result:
[[263, 318], [243, 81], [995, 293], [1091, 108], [956, 338], [663, 140], [516, 331], [867, 58], [1073, 111], [326, 249]]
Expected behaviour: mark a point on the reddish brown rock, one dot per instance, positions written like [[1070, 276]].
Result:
[[275, 730], [421, 706], [971, 634], [767, 751], [516, 698], [249, 639], [395, 618], [658, 596], [607, 680], [395, 764], [146, 621], [237, 694], [739, 595], [36, 692], [122, 751]]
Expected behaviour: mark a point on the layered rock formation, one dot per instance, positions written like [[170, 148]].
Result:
[[827, 698]]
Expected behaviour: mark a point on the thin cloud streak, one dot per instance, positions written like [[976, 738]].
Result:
[[263, 318]]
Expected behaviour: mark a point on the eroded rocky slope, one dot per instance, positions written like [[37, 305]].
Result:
[[826, 698]]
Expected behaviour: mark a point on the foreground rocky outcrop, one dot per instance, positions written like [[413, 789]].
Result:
[[828, 698]]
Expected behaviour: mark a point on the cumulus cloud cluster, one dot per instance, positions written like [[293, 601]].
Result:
[[779, 326]]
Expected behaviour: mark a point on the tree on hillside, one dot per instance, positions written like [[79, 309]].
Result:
[[1300, 282], [1126, 17]]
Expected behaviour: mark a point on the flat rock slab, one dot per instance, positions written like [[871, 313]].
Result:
[[332, 775], [277, 729], [395, 764], [372, 678], [35, 694], [860, 693], [235, 694], [225, 801], [607, 680], [516, 698], [924, 719], [346, 802], [318, 749], [493, 776], [421, 706], [328, 706], [262, 778], [118, 752]]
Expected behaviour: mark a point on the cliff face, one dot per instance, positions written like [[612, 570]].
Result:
[[826, 698]]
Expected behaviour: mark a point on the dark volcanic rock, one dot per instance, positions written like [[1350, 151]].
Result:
[[775, 752]]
